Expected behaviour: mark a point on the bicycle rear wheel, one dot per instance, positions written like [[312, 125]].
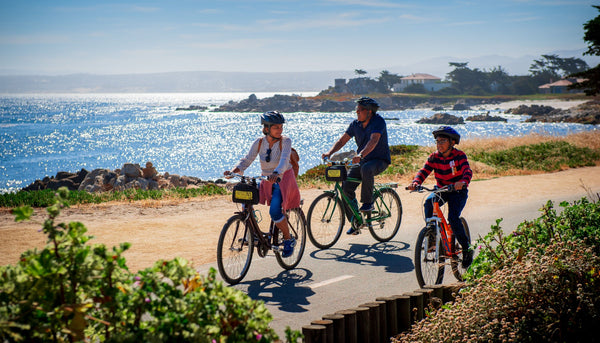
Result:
[[429, 270], [387, 215], [325, 220], [234, 250], [297, 226], [457, 268]]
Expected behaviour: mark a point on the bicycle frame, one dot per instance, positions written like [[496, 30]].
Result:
[[360, 216], [444, 230]]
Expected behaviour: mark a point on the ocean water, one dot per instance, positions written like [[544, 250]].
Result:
[[43, 134]]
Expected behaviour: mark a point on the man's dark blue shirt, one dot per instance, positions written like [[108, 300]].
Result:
[[362, 135]]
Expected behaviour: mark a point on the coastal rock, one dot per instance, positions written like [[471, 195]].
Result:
[[130, 176], [533, 110], [586, 113], [460, 107], [442, 119], [486, 117], [192, 108]]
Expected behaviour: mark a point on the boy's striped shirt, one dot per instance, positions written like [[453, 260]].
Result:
[[448, 170]]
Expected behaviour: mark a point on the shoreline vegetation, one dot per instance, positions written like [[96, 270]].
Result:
[[489, 158]]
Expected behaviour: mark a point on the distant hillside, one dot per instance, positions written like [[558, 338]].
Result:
[[197, 81]]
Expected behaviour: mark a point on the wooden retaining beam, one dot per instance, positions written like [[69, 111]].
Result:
[[377, 321]]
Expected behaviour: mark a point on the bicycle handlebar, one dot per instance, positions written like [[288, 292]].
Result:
[[245, 178], [421, 188], [345, 162]]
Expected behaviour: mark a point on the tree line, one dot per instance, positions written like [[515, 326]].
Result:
[[547, 69]]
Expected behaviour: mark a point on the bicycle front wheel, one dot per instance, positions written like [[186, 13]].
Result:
[[387, 215], [234, 250], [429, 269], [325, 220], [456, 264], [297, 226]]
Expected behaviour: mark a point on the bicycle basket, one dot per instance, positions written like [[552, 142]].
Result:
[[335, 173], [245, 194]]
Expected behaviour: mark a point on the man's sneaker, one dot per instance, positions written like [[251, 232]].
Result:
[[288, 247], [467, 258], [367, 207], [352, 231]]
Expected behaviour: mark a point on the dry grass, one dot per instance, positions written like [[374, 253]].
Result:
[[590, 139]]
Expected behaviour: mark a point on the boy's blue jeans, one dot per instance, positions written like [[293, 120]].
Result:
[[456, 203]]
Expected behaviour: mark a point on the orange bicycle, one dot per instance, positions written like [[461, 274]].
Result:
[[436, 244]]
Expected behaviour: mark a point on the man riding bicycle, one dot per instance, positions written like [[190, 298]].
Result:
[[370, 134], [451, 167]]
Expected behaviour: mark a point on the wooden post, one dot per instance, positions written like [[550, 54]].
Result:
[[390, 317], [328, 324], [350, 324], [426, 298], [314, 333], [404, 312], [416, 306], [363, 324], [451, 290], [339, 329], [374, 324]]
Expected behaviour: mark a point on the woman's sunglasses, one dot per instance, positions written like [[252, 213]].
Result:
[[268, 158]]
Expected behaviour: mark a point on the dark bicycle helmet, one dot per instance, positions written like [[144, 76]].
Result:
[[447, 131], [368, 103], [271, 117]]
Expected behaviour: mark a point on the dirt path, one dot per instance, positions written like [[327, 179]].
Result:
[[190, 229]]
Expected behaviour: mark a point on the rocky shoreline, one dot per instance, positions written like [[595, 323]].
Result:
[[586, 113], [130, 176]]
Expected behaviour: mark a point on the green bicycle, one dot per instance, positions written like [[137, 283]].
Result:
[[326, 215]]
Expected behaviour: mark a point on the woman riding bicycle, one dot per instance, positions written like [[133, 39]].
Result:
[[451, 167], [281, 190]]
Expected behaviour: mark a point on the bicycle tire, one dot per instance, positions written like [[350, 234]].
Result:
[[297, 225], [428, 270], [325, 220], [456, 264], [234, 250], [388, 205]]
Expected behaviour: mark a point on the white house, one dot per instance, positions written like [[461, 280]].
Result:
[[430, 82]]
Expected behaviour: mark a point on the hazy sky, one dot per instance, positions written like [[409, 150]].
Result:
[[118, 37]]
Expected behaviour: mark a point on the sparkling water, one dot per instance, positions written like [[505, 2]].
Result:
[[41, 135]]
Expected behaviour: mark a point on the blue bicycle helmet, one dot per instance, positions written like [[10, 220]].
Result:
[[368, 103], [271, 117], [447, 131]]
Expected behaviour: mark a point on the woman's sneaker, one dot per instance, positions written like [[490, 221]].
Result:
[[288, 247]]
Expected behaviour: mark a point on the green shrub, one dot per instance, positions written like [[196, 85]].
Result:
[[73, 291], [539, 283], [579, 221], [544, 297]]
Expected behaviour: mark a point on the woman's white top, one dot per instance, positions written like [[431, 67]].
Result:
[[280, 159]]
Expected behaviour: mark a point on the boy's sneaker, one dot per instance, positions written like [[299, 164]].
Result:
[[467, 258], [288, 247], [367, 207]]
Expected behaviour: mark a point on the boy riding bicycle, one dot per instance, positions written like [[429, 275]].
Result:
[[450, 167]]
